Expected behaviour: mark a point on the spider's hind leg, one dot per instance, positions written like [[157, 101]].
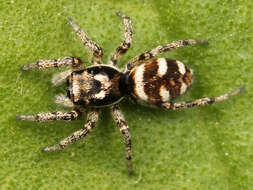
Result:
[[200, 102], [161, 49], [122, 49]]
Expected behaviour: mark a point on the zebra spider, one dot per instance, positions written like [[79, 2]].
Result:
[[145, 79]]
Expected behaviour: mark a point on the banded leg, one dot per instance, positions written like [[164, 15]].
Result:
[[46, 117], [123, 127], [92, 119], [122, 49], [200, 102], [61, 62], [91, 45], [161, 49]]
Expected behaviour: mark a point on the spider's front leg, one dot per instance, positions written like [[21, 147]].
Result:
[[200, 102], [92, 119], [161, 49], [61, 62], [123, 127], [122, 49], [91, 45]]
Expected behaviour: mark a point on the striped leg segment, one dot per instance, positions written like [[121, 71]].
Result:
[[200, 102], [122, 49], [91, 45], [61, 62], [120, 121], [46, 117], [161, 49], [92, 119]]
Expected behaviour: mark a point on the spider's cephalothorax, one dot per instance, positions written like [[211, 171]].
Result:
[[145, 79], [95, 86]]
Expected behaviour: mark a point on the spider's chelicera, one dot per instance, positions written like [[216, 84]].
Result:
[[145, 79]]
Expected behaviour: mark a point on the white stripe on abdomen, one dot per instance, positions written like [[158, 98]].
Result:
[[139, 88]]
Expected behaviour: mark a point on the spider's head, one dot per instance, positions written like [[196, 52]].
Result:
[[95, 86]]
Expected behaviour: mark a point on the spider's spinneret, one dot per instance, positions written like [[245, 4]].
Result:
[[159, 80]]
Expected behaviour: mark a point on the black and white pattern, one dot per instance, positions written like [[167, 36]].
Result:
[[160, 80], [148, 80]]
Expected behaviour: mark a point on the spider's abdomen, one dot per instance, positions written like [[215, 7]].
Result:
[[159, 80], [95, 86]]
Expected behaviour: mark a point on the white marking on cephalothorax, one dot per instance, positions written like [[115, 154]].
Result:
[[75, 87], [101, 95], [104, 79], [162, 67], [165, 94], [181, 67], [101, 77], [139, 82], [183, 88]]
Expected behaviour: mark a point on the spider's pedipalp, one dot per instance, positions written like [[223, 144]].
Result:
[[60, 77], [200, 102], [91, 45], [161, 49], [92, 119], [122, 49], [61, 62], [61, 99]]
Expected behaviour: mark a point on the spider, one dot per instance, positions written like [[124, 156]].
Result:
[[147, 80]]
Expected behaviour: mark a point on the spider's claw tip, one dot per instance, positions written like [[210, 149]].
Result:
[[242, 88], [131, 173], [122, 15], [21, 117], [23, 68], [70, 19], [18, 117], [44, 149], [206, 42]]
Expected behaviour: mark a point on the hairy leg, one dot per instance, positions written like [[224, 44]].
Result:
[[200, 102], [123, 127], [161, 49], [91, 45], [122, 49], [45, 117], [61, 62], [92, 119]]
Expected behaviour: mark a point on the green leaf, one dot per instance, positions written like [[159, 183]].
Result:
[[199, 148]]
